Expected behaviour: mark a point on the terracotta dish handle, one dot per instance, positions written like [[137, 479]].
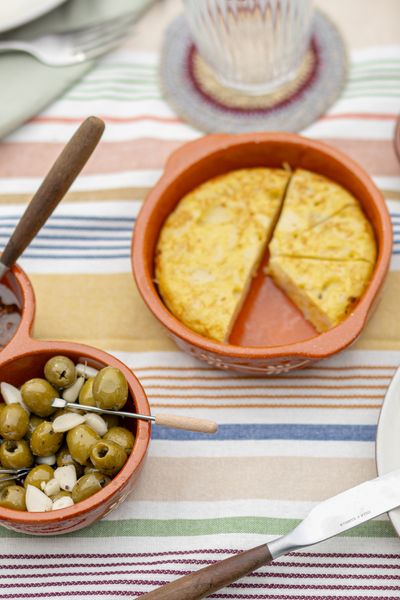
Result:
[[397, 138]]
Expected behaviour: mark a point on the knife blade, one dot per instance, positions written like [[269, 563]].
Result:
[[329, 518]]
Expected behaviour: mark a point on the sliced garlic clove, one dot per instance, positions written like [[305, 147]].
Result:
[[63, 502], [85, 370], [12, 395], [71, 394], [66, 477], [67, 421], [97, 423], [46, 460], [52, 487], [37, 501]]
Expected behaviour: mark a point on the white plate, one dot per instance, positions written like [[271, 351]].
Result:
[[14, 13], [388, 438]]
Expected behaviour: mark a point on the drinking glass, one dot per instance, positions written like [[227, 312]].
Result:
[[254, 46]]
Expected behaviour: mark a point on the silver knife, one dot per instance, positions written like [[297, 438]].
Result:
[[329, 518]]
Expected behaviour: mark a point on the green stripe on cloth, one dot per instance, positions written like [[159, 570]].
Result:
[[193, 527]]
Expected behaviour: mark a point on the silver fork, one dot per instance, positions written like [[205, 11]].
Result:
[[73, 47], [13, 474]]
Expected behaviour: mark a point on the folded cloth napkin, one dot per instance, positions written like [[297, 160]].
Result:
[[27, 86]]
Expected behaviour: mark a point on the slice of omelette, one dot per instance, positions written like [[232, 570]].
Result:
[[348, 235], [324, 290], [211, 244], [310, 199]]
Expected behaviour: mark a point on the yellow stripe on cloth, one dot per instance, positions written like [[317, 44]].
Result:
[[106, 310]]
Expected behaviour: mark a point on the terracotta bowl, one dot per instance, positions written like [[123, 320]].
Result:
[[270, 335], [24, 358]]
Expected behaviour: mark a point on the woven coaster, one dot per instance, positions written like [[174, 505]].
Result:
[[191, 88]]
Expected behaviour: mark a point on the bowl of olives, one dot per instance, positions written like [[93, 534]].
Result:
[[75, 466]]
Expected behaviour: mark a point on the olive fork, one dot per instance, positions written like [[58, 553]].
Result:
[[13, 474]]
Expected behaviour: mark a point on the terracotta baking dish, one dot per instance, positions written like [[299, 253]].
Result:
[[23, 358], [270, 335]]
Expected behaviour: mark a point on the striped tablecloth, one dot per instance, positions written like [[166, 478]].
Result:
[[283, 443]]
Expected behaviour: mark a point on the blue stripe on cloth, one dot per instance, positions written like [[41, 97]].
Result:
[[14, 219], [343, 433], [80, 238], [82, 228], [73, 256], [35, 246]]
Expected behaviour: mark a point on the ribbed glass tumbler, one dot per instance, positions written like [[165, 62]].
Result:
[[254, 46]]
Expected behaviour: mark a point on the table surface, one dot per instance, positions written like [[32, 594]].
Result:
[[284, 443]]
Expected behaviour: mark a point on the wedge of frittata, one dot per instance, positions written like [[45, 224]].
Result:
[[324, 290], [347, 235]]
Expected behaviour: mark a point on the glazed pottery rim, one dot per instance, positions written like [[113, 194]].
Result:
[[317, 347], [28, 305], [11, 352]]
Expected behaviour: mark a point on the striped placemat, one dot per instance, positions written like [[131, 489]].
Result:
[[284, 443]]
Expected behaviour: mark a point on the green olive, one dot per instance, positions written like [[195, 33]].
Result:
[[34, 421], [39, 474], [121, 436], [13, 497], [111, 420], [45, 441], [80, 441], [15, 454], [14, 421], [110, 389], [108, 457], [60, 371], [86, 393], [88, 485], [64, 458], [38, 395], [61, 494]]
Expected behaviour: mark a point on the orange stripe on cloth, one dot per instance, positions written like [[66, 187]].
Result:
[[107, 118], [271, 396], [132, 119], [266, 386], [311, 368], [362, 116], [284, 406], [287, 377], [22, 159]]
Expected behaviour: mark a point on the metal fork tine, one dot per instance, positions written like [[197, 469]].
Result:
[[102, 49], [107, 36], [98, 27], [93, 33]]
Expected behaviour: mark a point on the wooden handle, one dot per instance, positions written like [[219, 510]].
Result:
[[188, 423], [54, 187], [201, 584]]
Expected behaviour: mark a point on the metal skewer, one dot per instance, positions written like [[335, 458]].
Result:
[[14, 473], [173, 421]]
